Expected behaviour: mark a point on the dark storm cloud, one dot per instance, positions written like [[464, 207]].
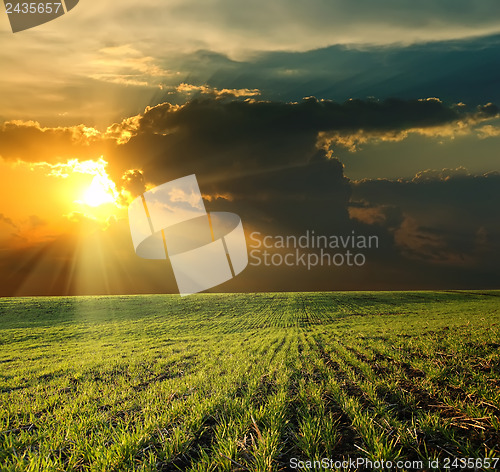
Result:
[[456, 71], [231, 137], [263, 157], [262, 161], [448, 217]]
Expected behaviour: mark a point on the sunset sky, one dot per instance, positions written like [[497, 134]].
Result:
[[335, 116]]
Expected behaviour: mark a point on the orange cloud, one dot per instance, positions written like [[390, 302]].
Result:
[[462, 124], [128, 66], [206, 89]]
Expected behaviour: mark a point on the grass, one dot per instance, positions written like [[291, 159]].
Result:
[[247, 381]]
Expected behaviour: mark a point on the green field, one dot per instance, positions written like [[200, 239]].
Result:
[[248, 381]]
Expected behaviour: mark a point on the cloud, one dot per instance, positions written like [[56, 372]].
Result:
[[388, 216], [218, 138], [226, 139], [251, 153], [85, 224], [133, 182], [236, 27], [230, 135], [443, 123], [128, 66], [65, 169], [443, 213], [80, 217], [6, 220], [28, 141], [101, 77], [36, 222], [264, 161], [488, 131], [443, 174], [18, 232], [207, 90]]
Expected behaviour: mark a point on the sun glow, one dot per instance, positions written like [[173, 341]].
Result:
[[102, 190]]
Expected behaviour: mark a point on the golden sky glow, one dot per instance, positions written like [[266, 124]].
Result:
[[57, 196]]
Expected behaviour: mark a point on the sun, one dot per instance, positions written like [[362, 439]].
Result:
[[102, 190]]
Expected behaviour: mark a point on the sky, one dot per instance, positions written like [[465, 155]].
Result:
[[378, 118]]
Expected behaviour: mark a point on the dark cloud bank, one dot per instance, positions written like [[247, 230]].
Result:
[[465, 70], [263, 161], [439, 230]]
